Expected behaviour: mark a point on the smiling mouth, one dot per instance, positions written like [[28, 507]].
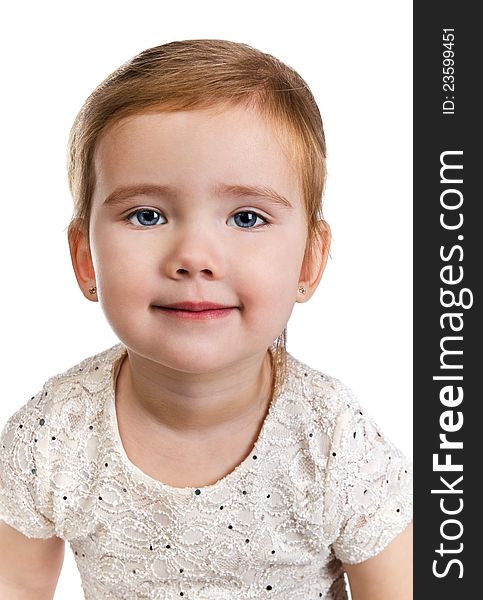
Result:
[[196, 306], [196, 310]]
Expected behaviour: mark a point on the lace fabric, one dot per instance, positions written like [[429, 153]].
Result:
[[322, 486]]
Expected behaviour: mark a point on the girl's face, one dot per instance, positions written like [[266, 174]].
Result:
[[197, 207]]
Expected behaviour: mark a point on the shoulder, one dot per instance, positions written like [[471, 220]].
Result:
[[368, 480], [60, 411], [41, 442], [63, 389], [330, 400], [336, 408], [70, 390], [356, 439]]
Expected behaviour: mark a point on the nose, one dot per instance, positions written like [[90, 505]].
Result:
[[196, 251]]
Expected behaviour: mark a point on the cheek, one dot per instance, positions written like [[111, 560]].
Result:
[[281, 262], [270, 281], [124, 275]]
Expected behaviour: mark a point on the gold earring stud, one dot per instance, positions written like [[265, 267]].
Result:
[[92, 290], [301, 289]]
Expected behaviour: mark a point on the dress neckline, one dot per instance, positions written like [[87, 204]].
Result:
[[113, 433]]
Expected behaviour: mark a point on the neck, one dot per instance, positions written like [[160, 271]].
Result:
[[195, 405]]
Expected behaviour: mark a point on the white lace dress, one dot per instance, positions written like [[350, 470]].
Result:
[[321, 486]]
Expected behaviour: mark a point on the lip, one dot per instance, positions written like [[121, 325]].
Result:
[[196, 306], [198, 311]]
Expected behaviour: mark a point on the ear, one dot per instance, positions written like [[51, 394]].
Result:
[[80, 254], [315, 259]]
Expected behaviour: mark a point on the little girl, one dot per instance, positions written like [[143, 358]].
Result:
[[197, 458]]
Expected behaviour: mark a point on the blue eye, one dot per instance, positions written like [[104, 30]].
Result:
[[146, 217], [248, 219]]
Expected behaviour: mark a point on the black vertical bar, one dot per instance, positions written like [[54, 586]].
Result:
[[448, 269]]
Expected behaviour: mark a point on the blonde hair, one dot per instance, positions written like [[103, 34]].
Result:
[[196, 74]]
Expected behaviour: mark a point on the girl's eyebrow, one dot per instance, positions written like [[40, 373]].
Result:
[[121, 194], [254, 191]]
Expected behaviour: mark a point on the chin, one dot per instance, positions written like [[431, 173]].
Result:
[[190, 353], [194, 363], [192, 358]]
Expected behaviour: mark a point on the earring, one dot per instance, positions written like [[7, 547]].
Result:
[[92, 290], [301, 289]]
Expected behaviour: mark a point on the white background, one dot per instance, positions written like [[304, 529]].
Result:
[[357, 59]]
